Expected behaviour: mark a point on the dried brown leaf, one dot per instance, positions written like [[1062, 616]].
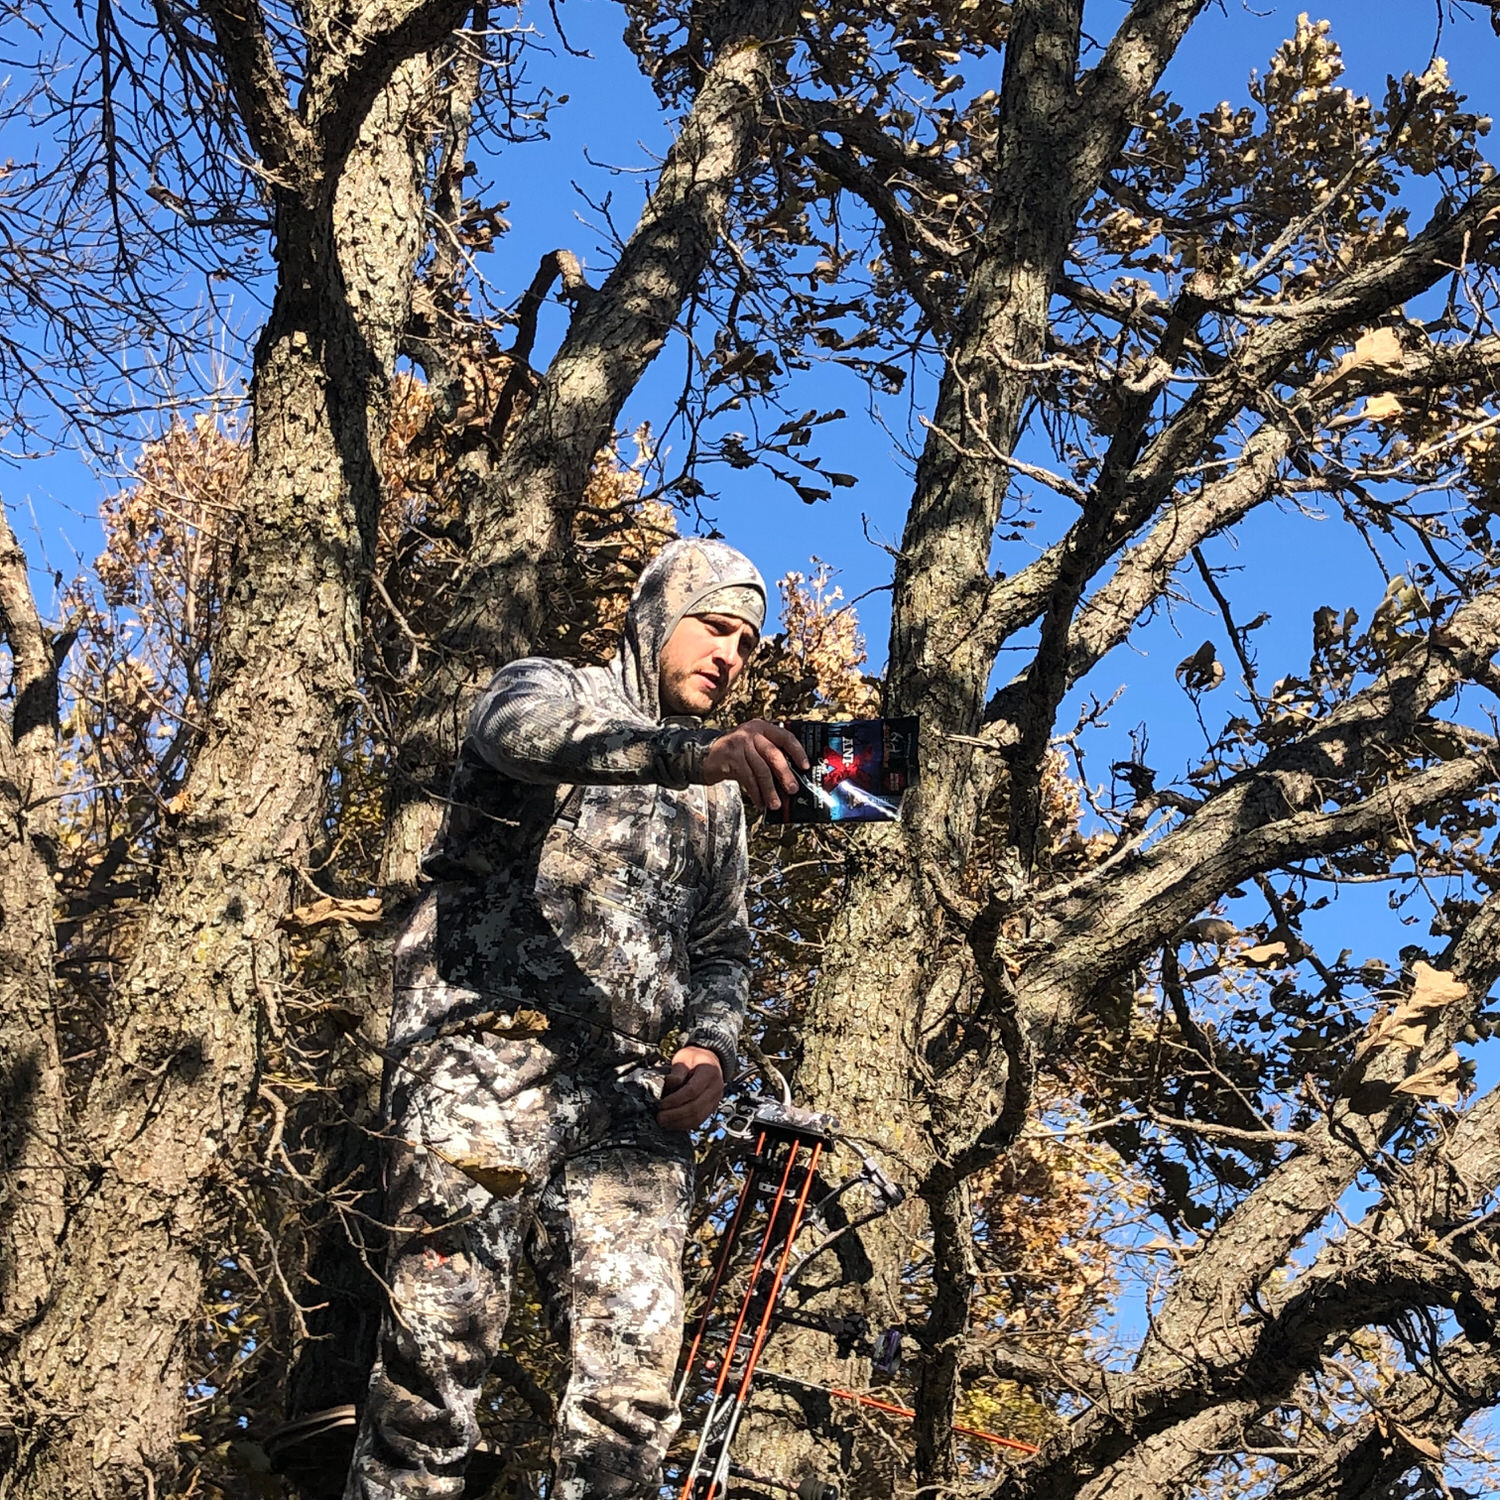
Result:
[[1265, 953], [1423, 1445], [1378, 351], [522, 1023], [366, 911], [1439, 1082], [1408, 1025], [1202, 671], [1216, 931], [1383, 408], [502, 1179]]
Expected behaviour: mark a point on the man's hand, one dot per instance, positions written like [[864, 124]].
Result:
[[694, 1086], [759, 755]]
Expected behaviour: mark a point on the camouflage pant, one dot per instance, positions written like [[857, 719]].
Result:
[[553, 1147]]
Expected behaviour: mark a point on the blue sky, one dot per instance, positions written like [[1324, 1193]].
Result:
[[612, 118], [1291, 564]]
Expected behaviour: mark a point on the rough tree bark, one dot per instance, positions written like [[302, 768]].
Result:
[[33, 1104], [863, 1056], [103, 1367], [1057, 135], [940, 933], [517, 504]]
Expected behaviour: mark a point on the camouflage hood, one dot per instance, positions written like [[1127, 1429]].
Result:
[[678, 581]]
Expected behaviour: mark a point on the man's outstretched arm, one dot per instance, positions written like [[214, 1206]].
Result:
[[539, 722]]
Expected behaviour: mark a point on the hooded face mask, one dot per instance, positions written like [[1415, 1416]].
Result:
[[685, 578]]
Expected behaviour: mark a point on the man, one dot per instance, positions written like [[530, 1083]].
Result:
[[588, 903]]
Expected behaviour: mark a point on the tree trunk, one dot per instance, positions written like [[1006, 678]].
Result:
[[168, 1107], [862, 1055], [858, 1046], [331, 1136], [32, 1100]]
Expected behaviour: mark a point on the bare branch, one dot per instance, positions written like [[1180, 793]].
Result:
[[899, 225], [1427, 1252], [1371, 1453], [1301, 1192], [33, 1108], [1263, 356], [1262, 817], [34, 715], [1114, 93], [556, 265], [1141, 575]]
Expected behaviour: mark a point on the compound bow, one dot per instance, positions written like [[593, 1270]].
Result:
[[784, 1145]]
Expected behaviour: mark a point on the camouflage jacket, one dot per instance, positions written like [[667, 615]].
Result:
[[583, 869]]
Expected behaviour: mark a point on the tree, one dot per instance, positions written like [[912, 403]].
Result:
[[1128, 326], [1281, 309]]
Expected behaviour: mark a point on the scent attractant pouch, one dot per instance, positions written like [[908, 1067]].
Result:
[[859, 770]]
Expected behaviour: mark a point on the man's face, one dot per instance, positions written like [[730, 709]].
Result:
[[701, 661]]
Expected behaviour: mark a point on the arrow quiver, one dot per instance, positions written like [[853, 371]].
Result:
[[783, 1148]]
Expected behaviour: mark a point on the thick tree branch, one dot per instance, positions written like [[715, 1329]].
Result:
[[303, 152], [520, 508], [1290, 332], [556, 265], [898, 223], [33, 720], [862, 132], [348, 80], [285, 145], [1299, 1193], [1421, 1247], [1140, 577], [32, 1098], [941, 586], [1434, 366], [1116, 90], [1118, 913], [614, 335], [1112, 96], [1428, 1405]]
